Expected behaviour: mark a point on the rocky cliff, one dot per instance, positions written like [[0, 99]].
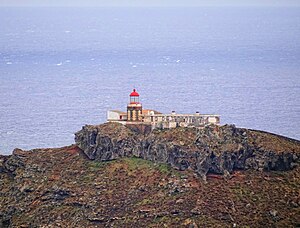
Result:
[[121, 178], [214, 149]]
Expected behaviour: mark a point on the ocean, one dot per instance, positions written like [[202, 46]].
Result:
[[62, 68]]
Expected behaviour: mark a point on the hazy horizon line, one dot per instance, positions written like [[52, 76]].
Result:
[[198, 6]]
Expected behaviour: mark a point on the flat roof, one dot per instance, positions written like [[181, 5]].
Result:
[[171, 114], [117, 111], [145, 111]]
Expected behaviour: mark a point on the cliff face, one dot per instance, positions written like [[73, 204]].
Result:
[[214, 149], [61, 187]]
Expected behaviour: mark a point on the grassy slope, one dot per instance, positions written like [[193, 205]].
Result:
[[134, 192]]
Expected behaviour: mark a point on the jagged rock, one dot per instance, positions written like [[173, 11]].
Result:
[[196, 211], [26, 188], [97, 219], [56, 194], [12, 163], [62, 187], [105, 143], [213, 149], [274, 215], [179, 201], [2, 161]]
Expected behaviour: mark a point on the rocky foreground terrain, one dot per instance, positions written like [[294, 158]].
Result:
[[184, 177]]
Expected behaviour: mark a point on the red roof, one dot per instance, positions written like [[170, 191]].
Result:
[[134, 93]]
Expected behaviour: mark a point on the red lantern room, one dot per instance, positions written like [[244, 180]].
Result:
[[134, 97]]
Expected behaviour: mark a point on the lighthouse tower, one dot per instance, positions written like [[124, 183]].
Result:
[[134, 108]]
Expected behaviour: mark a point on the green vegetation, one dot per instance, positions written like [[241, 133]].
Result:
[[164, 168], [135, 163], [144, 202], [95, 165], [87, 179]]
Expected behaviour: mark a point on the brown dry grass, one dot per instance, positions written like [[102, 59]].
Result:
[[132, 192]]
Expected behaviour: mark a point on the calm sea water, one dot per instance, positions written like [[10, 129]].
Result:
[[61, 68]]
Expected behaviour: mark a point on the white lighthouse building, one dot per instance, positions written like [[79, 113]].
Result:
[[137, 115]]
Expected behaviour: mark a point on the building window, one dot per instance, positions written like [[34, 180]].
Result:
[[134, 99]]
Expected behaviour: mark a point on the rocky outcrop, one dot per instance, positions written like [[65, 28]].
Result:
[[9, 164], [61, 187], [214, 149]]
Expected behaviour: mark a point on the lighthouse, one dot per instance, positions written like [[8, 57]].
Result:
[[142, 119], [134, 108]]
